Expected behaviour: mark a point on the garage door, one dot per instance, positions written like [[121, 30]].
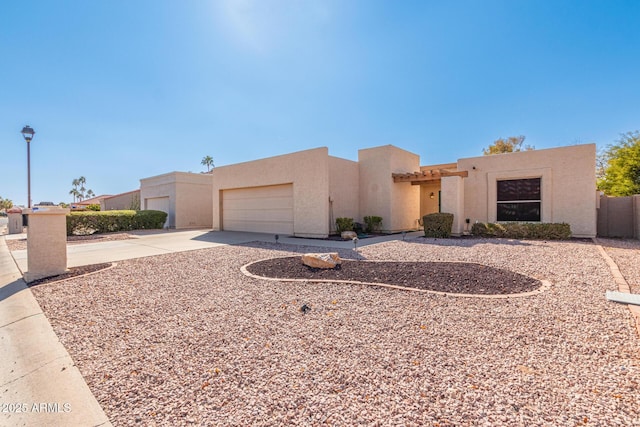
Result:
[[259, 209], [158, 204]]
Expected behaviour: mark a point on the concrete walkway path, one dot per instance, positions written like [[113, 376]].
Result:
[[40, 383]]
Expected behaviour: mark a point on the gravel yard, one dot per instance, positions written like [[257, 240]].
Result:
[[187, 339], [626, 253]]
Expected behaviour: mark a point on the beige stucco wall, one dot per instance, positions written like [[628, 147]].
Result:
[[427, 204], [120, 201], [568, 184], [397, 203], [307, 170], [344, 190], [453, 202], [190, 197]]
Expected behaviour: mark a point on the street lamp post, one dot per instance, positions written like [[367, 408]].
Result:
[[27, 133]]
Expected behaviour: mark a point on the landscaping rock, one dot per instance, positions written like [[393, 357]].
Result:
[[348, 235], [322, 260]]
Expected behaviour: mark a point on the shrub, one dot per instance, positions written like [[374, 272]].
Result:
[[437, 225], [373, 223], [344, 224], [94, 207], [90, 222], [523, 230]]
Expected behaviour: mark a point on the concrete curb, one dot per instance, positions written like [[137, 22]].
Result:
[[39, 382], [623, 286]]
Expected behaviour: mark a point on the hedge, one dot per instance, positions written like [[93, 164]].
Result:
[[437, 225], [523, 230], [373, 223], [344, 224], [90, 222]]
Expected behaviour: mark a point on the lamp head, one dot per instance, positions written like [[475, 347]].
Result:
[[27, 133]]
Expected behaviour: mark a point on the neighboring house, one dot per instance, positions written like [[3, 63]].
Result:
[[185, 197], [303, 193], [122, 201], [82, 204]]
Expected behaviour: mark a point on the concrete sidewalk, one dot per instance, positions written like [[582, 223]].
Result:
[[40, 385]]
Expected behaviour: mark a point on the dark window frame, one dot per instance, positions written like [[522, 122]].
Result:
[[519, 200]]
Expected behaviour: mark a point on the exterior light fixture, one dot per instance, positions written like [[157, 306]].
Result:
[[355, 243], [432, 195], [27, 133]]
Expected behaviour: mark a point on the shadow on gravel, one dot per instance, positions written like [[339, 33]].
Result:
[[618, 243], [302, 249]]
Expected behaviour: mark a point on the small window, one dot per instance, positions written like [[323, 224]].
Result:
[[519, 199]]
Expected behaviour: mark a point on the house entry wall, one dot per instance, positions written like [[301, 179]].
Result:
[[267, 209]]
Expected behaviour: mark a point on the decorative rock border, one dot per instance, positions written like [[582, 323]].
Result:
[[545, 284], [623, 286]]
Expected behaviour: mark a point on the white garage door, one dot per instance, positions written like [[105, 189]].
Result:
[[259, 209], [158, 204]]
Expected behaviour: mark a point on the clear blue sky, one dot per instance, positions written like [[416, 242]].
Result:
[[120, 90]]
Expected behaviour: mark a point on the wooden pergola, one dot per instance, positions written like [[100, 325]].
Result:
[[417, 178]]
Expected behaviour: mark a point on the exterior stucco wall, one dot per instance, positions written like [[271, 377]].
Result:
[[307, 170], [194, 200], [189, 197], [568, 184], [427, 204], [397, 203], [344, 190], [453, 202], [120, 201]]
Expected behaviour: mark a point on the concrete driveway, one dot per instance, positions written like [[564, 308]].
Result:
[[157, 242]]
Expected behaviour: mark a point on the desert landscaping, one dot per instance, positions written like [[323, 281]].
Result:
[[188, 339]]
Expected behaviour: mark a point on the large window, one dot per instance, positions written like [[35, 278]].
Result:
[[519, 199]]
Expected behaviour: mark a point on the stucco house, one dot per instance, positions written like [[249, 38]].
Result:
[[303, 193], [185, 197], [128, 200]]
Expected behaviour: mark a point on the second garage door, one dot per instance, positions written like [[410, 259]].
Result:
[[159, 204], [259, 209]]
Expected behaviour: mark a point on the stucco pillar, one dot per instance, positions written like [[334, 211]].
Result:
[[15, 220], [452, 201], [46, 242]]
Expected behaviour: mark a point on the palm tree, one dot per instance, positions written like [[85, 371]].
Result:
[[74, 192], [208, 162]]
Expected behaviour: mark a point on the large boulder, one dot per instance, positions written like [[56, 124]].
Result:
[[322, 260], [348, 235]]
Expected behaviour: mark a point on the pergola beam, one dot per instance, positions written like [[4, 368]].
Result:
[[416, 178]]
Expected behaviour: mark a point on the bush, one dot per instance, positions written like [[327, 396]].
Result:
[[373, 223], [93, 207], [523, 230], [344, 224], [437, 225], [90, 222]]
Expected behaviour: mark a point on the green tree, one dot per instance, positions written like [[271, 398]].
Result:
[[5, 204], [510, 145], [208, 162], [622, 171]]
